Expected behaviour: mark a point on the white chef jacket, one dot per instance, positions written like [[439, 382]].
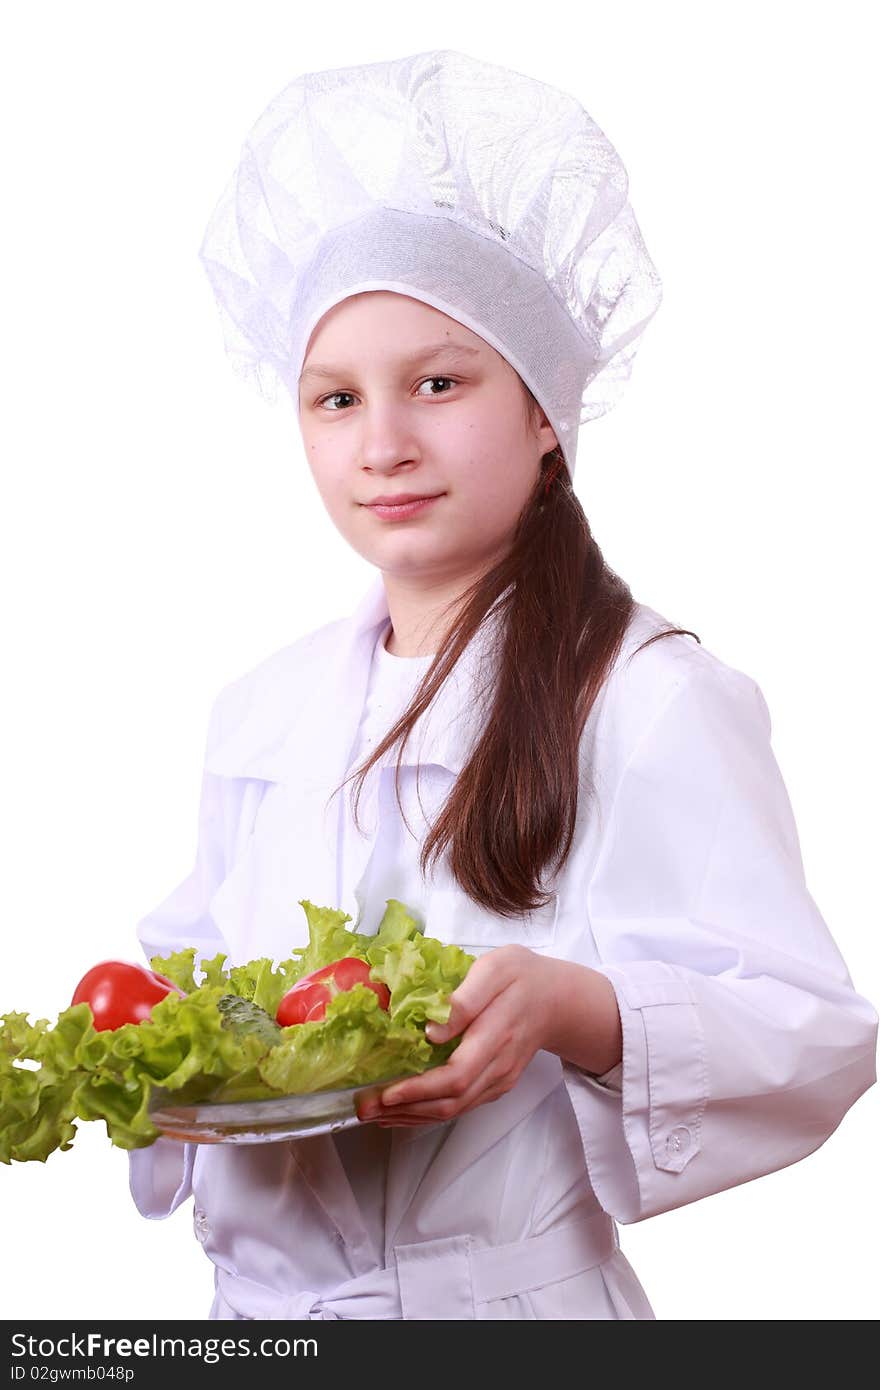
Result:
[[384, 868], [744, 1040], [365, 1151]]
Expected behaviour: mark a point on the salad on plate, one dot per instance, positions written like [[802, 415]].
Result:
[[346, 1011]]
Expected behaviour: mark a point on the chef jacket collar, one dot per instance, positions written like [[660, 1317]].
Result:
[[303, 716]]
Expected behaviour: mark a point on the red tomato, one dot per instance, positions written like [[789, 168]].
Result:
[[307, 1001], [118, 992]]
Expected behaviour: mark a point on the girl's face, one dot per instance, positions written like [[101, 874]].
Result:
[[397, 398]]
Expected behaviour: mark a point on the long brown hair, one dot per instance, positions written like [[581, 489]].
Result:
[[563, 617]]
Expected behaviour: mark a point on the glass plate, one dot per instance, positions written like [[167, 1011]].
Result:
[[262, 1121]]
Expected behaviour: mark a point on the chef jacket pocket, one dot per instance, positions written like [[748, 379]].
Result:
[[453, 917]]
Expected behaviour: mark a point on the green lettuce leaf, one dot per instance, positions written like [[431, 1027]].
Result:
[[355, 1043]]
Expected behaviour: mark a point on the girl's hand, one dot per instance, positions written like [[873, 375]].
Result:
[[505, 1009]]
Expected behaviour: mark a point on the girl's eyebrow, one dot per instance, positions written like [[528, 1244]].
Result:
[[426, 354]]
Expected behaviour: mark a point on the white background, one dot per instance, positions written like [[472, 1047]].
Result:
[[161, 534]]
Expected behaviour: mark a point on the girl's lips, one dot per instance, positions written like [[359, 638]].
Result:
[[403, 511]]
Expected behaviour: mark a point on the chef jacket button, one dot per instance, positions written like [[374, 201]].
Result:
[[200, 1221], [679, 1141]]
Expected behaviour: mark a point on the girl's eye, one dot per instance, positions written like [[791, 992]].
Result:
[[336, 394], [437, 378]]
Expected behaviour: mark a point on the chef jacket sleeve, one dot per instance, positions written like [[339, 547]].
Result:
[[610, 1080], [744, 1041], [160, 1176]]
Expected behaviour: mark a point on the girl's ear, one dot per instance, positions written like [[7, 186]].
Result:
[[538, 421], [549, 442]]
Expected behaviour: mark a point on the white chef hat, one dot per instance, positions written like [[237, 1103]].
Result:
[[475, 189]]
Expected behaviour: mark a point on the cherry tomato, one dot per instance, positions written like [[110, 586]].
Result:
[[119, 992], [307, 1001]]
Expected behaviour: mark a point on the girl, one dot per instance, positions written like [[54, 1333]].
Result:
[[437, 258]]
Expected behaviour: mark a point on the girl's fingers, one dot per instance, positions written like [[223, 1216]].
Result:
[[488, 977], [487, 1087], [453, 1078], [471, 1075], [478, 1050]]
